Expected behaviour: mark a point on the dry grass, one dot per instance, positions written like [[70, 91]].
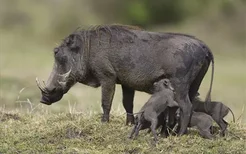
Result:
[[44, 132]]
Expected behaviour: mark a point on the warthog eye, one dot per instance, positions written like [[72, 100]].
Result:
[[165, 82]]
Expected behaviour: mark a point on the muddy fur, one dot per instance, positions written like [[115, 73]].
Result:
[[157, 104], [116, 54]]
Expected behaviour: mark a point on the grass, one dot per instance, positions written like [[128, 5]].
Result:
[[44, 132]]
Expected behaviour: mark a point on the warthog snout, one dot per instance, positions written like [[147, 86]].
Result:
[[49, 95]]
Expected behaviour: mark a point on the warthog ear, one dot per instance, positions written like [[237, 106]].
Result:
[[73, 41]]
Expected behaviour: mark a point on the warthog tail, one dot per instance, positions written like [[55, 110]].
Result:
[[232, 114], [208, 97]]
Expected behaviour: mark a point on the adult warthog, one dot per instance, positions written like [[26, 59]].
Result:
[[116, 54]]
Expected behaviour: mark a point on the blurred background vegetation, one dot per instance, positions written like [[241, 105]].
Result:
[[30, 29]]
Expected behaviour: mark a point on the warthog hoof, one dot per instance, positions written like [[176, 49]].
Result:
[[105, 118], [131, 137], [130, 120], [163, 135]]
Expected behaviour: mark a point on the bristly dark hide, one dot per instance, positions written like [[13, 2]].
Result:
[[109, 29], [86, 34]]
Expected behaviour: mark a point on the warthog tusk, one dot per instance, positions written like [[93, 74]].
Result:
[[64, 76], [44, 83], [63, 84], [39, 86]]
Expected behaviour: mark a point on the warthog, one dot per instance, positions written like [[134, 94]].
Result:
[[217, 110], [202, 121], [157, 104], [117, 54]]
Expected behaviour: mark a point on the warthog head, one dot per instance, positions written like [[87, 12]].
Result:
[[68, 68], [163, 84]]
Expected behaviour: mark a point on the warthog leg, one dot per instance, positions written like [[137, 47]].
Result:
[[153, 129], [133, 131], [128, 96], [108, 90], [185, 114], [138, 129]]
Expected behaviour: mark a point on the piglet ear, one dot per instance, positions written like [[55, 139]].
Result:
[[74, 41]]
